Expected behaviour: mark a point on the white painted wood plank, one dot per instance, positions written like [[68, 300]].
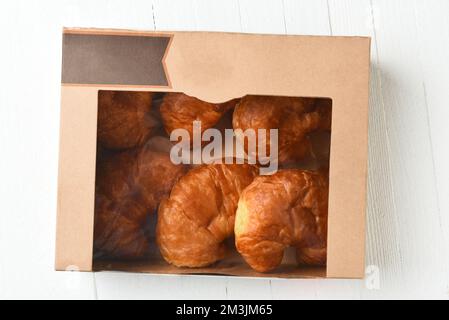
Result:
[[433, 34], [217, 15], [418, 232], [197, 15], [311, 289], [29, 122], [174, 15], [422, 247], [407, 267], [135, 14], [248, 289], [407, 234], [351, 17], [307, 17], [115, 285], [262, 16], [29, 131]]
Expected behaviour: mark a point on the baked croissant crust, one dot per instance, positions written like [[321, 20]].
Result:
[[294, 118], [118, 232], [125, 119], [286, 209], [129, 187], [178, 111], [200, 212]]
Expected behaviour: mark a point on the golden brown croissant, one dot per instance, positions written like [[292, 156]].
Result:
[[199, 214], [129, 187], [117, 233], [124, 119], [294, 118], [179, 110], [286, 209]]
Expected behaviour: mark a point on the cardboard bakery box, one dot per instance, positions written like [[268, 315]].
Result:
[[128, 200]]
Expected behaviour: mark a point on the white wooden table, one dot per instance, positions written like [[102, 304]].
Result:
[[408, 197]]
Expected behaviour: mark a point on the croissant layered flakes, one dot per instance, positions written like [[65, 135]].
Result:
[[295, 119], [179, 111], [129, 187], [286, 209], [199, 214], [125, 119]]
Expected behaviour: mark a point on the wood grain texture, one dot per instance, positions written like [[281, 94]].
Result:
[[420, 237], [408, 185], [433, 31]]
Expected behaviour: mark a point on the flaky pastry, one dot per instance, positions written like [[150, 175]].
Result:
[[129, 187], [178, 111], [286, 209], [125, 119], [294, 118], [199, 215]]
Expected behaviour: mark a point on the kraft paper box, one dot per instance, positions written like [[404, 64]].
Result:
[[214, 67]]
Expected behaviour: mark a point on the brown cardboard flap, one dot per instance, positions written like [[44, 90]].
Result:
[[76, 181]]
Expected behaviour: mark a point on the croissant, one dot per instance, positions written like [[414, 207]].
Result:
[[288, 208], [129, 187], [178, 111], [294, 118], [124, 119], [117, 232], [199, 214]]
